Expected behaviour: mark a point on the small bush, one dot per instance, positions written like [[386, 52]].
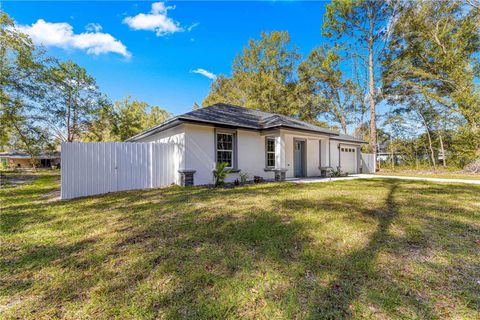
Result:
[[338, 173], [220, 173], [257, 179], [243, 178]]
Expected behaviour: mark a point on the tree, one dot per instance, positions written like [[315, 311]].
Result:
[[432, 57], [132, 117], [225, 90], [21, 74], [102, 126], [262, 78], [71, 102], [327, 93], [367, 23]]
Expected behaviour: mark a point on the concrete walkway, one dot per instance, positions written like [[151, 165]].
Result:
[[369, 176], [372, 176]]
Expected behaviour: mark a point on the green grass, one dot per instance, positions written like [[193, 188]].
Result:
[[348, 249], [429, 174]]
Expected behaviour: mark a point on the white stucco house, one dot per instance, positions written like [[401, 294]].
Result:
[[258, 143]]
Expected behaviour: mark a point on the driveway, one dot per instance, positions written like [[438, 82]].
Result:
[[371, 176]]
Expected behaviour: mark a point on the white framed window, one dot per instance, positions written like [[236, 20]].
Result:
[[270, 152], [225, 147]]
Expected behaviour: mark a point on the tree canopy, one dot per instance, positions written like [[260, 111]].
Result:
[[418, 60]]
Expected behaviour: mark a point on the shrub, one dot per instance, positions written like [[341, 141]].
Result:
[[243, 178], [257, 179], [220, 173], [337, 172]]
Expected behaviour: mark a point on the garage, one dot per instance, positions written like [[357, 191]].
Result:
[[348, 159]]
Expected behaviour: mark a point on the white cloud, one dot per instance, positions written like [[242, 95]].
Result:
[[156, 20], [93, 27], [193, 25], [61, 35], [205, 73]]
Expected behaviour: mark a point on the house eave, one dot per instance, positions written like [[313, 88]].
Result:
[[349, 140]]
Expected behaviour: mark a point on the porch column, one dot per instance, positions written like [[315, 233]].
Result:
[[325, 151], [280, 160], [329, 159]]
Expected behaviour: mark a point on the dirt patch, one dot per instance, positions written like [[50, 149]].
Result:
[[10, 181], [52, 196]]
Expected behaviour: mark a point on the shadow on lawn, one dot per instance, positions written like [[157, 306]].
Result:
[[158, 234], [206, 251], [336, 301]]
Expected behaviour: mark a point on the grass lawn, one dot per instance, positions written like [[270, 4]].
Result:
[[429, 174], [348, 249]]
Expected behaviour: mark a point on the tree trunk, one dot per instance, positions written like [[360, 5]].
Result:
[[344, 124], [371, 87], [392, 160], [444, 161], [430, 146], [432, 153]]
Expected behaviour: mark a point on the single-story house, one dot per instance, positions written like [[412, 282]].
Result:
[[257, 143], [20, 159]]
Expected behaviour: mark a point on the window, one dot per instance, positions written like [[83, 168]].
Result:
[[225, 148], [270, 152]]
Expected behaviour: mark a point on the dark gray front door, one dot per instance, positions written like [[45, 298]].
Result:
[[299, 158]]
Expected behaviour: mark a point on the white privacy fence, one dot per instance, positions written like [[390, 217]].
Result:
[[89, 168], [367, 163]]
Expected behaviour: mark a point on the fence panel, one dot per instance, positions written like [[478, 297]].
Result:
[[368, 163], [90, 168]]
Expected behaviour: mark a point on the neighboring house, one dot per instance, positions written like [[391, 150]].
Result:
[[20, 159], [385, 155], [253, 142]]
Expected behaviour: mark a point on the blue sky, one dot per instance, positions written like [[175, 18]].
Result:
[[150, 52]]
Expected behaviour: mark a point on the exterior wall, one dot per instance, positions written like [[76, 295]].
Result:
[[196, 151], [174, 136], [312, 145], [325, 153], [334, 149], [313, 160], [334, 160], [251, 154], [200, 153], [289, 156], [19, 163]]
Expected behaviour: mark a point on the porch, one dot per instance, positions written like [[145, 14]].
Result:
[[304, 155]]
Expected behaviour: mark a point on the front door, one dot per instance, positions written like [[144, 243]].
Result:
[[299, 158]]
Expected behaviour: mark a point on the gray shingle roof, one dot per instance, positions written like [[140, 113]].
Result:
[[345, 137], [226, 114], [235, 116]]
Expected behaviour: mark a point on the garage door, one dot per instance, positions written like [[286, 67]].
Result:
[[348, 159]]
